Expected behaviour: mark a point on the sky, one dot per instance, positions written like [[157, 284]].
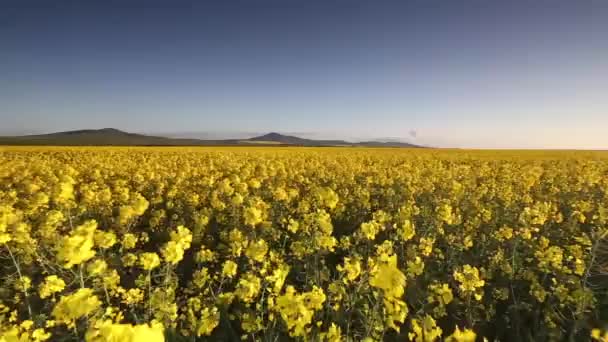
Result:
[[453, 73]]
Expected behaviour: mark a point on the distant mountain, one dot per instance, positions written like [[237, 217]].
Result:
[[115, 137], [280, 138], [86, 137], [291, 140]]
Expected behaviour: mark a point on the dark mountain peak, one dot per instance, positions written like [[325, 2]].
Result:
[[272, 136], [277, 137], [110, 130], [104, 131]]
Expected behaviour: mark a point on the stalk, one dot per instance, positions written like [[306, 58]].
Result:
[[27, 301]]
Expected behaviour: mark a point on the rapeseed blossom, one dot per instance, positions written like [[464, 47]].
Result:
[[328, 244], [76, 305], [351, 269], [470, 282], [297, 310], [387, 277], [229, 269], [107, 331], [52, 284], [248, 288], [465, 335], [78, 246], [149, 261]]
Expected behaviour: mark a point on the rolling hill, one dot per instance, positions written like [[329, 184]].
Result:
[[115, 137]]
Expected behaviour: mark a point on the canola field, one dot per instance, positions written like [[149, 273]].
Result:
[[303, 244]]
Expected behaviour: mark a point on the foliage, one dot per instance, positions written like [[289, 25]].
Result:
[[327, 244]]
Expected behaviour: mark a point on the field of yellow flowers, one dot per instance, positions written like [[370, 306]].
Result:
[[278, 244]]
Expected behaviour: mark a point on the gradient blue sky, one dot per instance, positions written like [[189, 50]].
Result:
[[461, 73]]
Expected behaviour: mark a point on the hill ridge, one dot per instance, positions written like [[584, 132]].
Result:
[[116, 137]]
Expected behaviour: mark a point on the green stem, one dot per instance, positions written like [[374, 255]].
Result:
[[81, 276], [593, 256], [27, 301], [149, 294], [105, 290]]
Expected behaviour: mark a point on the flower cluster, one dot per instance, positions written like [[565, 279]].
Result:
[[311, 244]]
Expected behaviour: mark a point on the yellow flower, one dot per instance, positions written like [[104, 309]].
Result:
[[293, 226], [254, 183], [406, 230], [64, 190], [315, 298], [415, 267], [229, 269], [129, 241], [426, 246], [4, 237], [137, 207], [210, 319], [97, 267], [370, 229], [596, 334], [173, 252], [225, 299], [470, 282], [182, 236], [387, 277], [133, 296], [538, 291], [129, 260], [40, 335], [465, 335], [111, 279], [149, 261], [333, 334], [549, 257], [280, 194], [78, 304], [252, 216], [327, 197], [107, 331], [27, 324], [237, 242], [425, 330], [248, 288], [441, 294], [251, 323], [257, 250], [24, 283], [237, 199], [351, 268], [200, 277], [325, 242], [444, 213], [297, 310], [78, 247], [504, 233], [104, 239], [205, 255], [278, 276], [396, 312], [8, 217]]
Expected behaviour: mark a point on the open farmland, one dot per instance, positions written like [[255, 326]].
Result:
[[311, 244]]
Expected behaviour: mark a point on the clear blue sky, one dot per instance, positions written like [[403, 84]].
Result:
[[460, 73]]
